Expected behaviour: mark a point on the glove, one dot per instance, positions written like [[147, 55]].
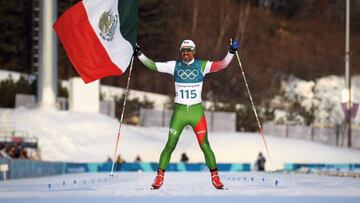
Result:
[[234, 45], [137, 50]]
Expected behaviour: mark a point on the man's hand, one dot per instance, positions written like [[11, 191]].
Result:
[[234, 45], [137, 50]]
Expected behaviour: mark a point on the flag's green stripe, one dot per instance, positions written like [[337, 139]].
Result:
[[128, 13]]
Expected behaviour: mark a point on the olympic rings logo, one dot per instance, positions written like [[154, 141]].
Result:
[[188, 74]]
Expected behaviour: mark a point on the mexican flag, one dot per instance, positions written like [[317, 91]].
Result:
[[99, 36]]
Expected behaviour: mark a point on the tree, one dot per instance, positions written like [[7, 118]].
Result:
[[225, 20], [9, 88], [244, 11], [15, 40]]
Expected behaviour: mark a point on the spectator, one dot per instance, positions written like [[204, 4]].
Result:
[[10, 150], [138, 159], [24, 153], [3, 153], [109, 160], [17, 151], [260, 162], [119, 162], [184, 158]]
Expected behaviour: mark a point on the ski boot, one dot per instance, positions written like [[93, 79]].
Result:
[[215, 179], [159, 180]]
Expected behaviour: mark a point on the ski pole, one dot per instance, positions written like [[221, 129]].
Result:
[[122, 115], [253, 106]]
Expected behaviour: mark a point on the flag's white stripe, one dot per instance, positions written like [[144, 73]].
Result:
[[119, 49]]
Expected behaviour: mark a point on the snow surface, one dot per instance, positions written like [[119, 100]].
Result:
[[323, 95], [182, 187], [90, 137]]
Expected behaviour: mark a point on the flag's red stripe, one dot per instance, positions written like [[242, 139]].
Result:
[[82, 45]]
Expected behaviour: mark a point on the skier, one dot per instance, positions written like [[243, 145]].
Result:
[[188, 74]]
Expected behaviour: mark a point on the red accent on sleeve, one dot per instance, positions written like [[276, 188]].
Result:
[[219, 65], [216, 66]]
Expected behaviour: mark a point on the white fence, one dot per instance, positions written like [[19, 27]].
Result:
[[216, 121], [336, 135]]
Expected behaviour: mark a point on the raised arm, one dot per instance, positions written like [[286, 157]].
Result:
[[219, 65], [214, 66], [164, 67], [150, 64]]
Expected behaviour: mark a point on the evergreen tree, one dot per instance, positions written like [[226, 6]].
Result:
[[15, 35]]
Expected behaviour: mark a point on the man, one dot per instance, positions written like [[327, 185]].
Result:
[[260, 162], [188, 74], [184, 158]]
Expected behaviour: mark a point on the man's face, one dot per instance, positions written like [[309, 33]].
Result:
[[187, 54]]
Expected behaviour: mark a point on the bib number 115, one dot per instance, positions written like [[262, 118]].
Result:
[[188, 94]]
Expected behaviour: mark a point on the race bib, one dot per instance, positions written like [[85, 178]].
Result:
[[188, 93]]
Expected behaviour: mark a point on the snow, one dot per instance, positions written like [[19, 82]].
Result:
[[301, 90], [182, 187], [328, 99], [323, 95], [90, 137]]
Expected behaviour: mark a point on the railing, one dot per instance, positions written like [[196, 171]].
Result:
[[18, 137], [331, 135], [216, 121]]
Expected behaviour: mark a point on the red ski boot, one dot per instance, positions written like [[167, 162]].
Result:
[[159, 180], [215, 179]]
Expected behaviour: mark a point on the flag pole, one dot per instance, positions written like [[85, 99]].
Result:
[[253, 107], [122, 116]]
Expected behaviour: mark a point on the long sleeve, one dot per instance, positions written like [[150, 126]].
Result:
[[164, 67], [214, 66]]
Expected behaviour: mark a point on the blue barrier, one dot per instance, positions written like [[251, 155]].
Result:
[[29, 168], [325, 167], [146, 166]]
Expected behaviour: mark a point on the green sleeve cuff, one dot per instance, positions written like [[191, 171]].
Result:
[[150, 64]]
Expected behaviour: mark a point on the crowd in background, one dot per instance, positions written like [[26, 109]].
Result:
[[259, 164], [16, 151], [120, 160], [13, 151]]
